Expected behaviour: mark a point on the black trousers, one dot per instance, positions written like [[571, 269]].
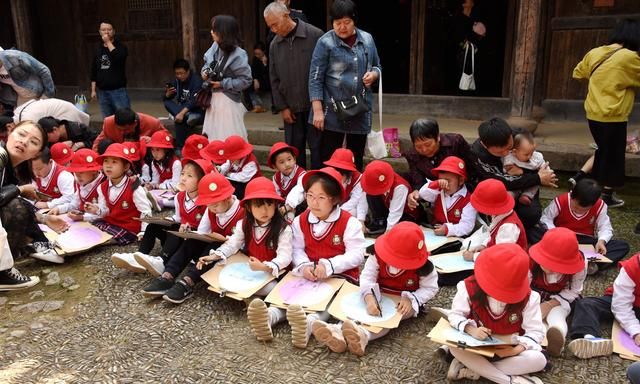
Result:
[[355, 142], [608, 164], [588, 315], [169, 242], [529, 214], [190, 250], [239, 188], [19, 220], [301, 133]]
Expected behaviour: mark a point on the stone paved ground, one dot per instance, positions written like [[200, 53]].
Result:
[[107, 332]]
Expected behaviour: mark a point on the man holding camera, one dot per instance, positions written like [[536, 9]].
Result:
[[180, 100]]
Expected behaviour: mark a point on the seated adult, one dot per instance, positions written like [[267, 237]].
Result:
[[496, 141], [75, 135], [35, 110], [180, 100], [127, 125], [430, 147]]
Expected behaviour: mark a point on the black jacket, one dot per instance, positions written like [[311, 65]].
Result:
[[487, 166], [108, 67]]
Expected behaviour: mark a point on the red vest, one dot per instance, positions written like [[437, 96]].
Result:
[[286, 188], [585, 225], [329, 244], [504, 324], [92, 196], [513, 219], [355, 179], [189, 216], [545, 289], [123, 209], [259, 248], [51, 189], [387, 197], [632, 268], [454, 213], [167, 173], [227, 228], [405, 280]]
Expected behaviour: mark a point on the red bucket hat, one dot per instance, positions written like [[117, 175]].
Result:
[[193, 145], [161, 139], [116, 150], [261, 188], [502, 272], [403, 246], [61, 153], [377, 178], [451, 164], [212, 188], [491, 198], [332, 173], [214, 152], [278, 147], [136, 149], [342, 158], [84, 160], [558, 252], [205, 165], [235, 148]]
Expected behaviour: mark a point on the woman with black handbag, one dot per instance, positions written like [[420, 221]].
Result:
[[227, 74], [344, 66]]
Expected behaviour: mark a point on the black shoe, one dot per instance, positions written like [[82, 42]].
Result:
[[612, 201], [11, 279], [377, 227], [180, 292], [637, 230], [158, 287]]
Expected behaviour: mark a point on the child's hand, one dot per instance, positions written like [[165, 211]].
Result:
[[41, 205], [440, 230], [184, 228], [505, 351], [443, 184], [601, 247], [478, 333], [468, 255], [404, 306], [206, 260], [372, 307], [320, 272], [413, 199], [636, 339], [140, 235], [28, 191], [149, 186], [308, 273], [91, 208], [283, 210], [257, 265], [75, 215], [54, 211]]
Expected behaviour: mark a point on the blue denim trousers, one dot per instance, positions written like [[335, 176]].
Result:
[[112, 100]]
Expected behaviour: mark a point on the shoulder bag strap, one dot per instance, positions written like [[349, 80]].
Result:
[[603, 60]]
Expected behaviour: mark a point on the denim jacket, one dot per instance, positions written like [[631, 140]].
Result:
[[26, 72], [336, 72], [236, 74]]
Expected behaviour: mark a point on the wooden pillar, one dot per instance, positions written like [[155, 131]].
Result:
[[416, 46], [525, 63], [188, 12], [22, 25]]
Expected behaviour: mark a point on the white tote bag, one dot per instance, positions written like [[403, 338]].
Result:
[[467, 82], [375, 140]]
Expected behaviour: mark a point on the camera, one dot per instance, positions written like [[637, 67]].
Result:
[[212, 74]]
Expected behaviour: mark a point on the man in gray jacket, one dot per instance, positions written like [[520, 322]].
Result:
[[289, 60]]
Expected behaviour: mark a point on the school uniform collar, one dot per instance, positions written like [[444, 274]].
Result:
[[462, 192], [291, 175], [228, 214], [333, 216], [120, 184], [498, 219], [89, 186], [45, 180]]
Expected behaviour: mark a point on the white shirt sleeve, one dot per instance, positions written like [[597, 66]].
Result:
[[427, 289], [465, 225], [234, 243], [396, 206], [604, 230], [102, 204], [143, 204], [534, 331], [428, 194], [536, 161], [205, 225], [176, 215], [73, 203], [460, 308], [296, 195], [66, 185], [176, 169], [145, 175], [549, 215], [622, 303], [298, 253], [155, 175], [351, 205], [363, 208], [369, 275], [354, 249], [573, 290], [246, 173], [225, 167], [507, 234], [278, 191], [284, 253]]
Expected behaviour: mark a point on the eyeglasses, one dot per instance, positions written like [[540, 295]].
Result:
[[320, 199]]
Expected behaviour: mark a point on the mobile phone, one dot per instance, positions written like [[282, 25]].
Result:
[[168, 85], [43, 196]]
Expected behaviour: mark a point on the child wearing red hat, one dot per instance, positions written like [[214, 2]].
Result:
[[61, 153], [491, 198], [327, 241], [386, 197], [498, 300], [399, 267], [137, 152], [187, 215], [51, 178], [161, 170], [241, 165], [282, 158], [223, 213], [557, 273], [214, 152], [453, 214], [193, 145], [585, 213], [120, 198]]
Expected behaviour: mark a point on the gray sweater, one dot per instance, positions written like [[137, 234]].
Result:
[[236, 74]]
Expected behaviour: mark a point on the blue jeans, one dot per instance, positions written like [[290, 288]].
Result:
[[192, 119], [112, 100]]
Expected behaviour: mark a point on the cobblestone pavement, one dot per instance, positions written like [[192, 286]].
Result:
[[108, 332]]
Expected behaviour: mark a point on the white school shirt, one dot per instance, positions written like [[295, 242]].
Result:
[[223, 218], [532, 324], [356, 205], [296, 194], [353, 239], [469, 214], [74, 204], [427, 285], [66, 186], [396, 205], [140, 200], [150, 175], [603, 228], [535, 162], [622, 303], [236, 242], [572, 291], [241, 172], [287, 179], [508, 233]]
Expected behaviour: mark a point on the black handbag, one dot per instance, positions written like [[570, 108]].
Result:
[[350, 108]]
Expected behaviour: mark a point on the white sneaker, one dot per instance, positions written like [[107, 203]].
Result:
[[589, 347], [299, 329], [458, 371], [49, 255], [126, 261], [525, 379], [153, 264], [436, 313], [355, 337], [258, 316], [329, 335]]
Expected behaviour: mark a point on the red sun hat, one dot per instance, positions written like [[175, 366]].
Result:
[[342, 158], [491, 198], [235, 148], [193, 145], [502, 272], [161, 139], [261, 188], [451, 164], [212, 188], [214, 152], [61, 153], [332, 173], [377, 178], [205, 165], [558, 252], [278, 147], [403, 246], [135, 153], [84, 160], [116, 150]]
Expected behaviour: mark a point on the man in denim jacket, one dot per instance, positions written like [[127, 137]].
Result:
[[22, 77]]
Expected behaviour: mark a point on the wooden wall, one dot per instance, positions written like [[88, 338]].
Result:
[[7, 36]]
